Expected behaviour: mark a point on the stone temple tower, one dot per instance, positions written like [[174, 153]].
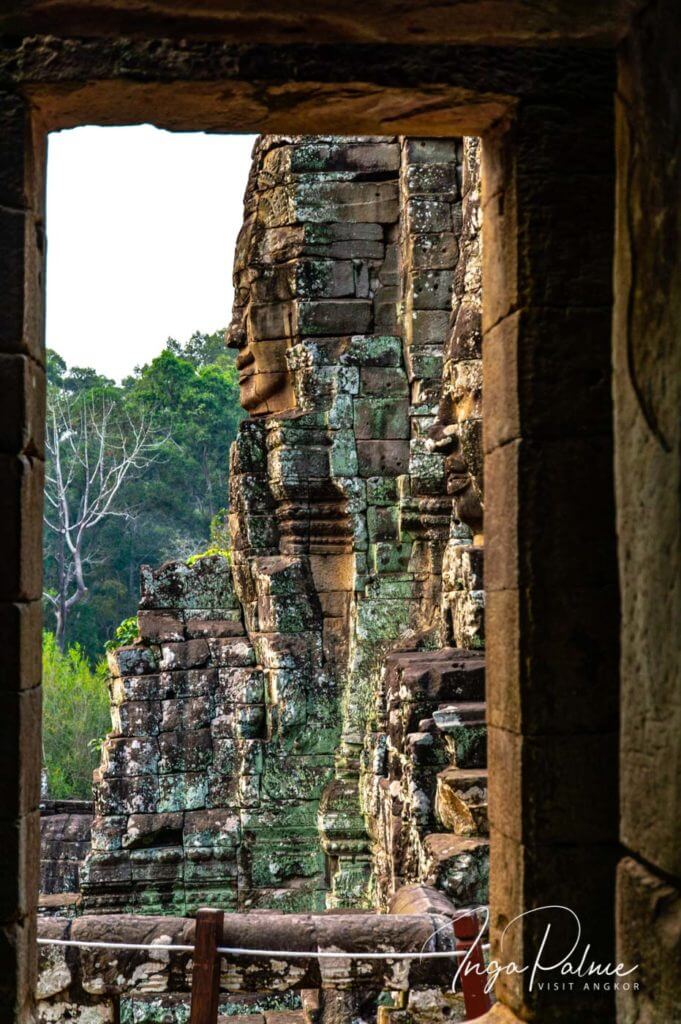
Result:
[[301, 725]]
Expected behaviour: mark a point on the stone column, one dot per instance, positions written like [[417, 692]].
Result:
[[549, 526], [647, 390], [21, 481]]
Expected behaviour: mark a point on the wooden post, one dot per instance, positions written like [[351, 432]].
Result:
[[476, 1000], [206, 974]]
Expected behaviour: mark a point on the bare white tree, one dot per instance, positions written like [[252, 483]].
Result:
[[92, 448]]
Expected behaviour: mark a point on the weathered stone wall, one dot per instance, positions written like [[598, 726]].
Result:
[[149, 986], [186, 701], [458, 432], [647, 392], [424, 781], [248, 765], [64, 843]]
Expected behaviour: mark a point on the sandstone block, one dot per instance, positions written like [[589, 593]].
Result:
[[389, 557], [343, 454], [130, 756], [184, 751], [381, 418], [193, 654], [240, 686], [427, 327], [225, 753], [231, 653], [333, 316], [430, 151], [383, 381], [429, 215], [433, 251], [207, 623], [132, 661], [184, 714], [182, 791], [136, 718], [159, 625], [458, 866], [333, 279], [431, 289], [382, 458], [382, 523], [424, 179], [461, 801], [373, 350], [368, 158], [425, 361], [272, 320], [320, 201]]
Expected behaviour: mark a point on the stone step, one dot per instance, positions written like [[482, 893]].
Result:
[[450, 674], [465, 729], [458, 865], [453, 716], [461, 801], [267, 1017]]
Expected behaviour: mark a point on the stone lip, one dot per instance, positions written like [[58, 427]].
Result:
[[48, 807], [106, 973]]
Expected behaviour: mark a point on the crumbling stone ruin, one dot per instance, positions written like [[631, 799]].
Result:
[[64, 844], [92, 985], [301, 726]]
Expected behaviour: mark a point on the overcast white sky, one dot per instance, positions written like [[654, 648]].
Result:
[[141, 226]]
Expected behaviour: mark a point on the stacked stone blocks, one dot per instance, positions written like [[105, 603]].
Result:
[[248, 760]]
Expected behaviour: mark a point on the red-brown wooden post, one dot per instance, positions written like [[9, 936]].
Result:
[[473, 980], [206, 974]]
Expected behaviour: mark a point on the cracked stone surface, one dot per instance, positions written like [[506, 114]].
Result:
[[300, 726]]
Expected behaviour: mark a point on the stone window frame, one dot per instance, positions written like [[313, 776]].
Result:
[[550, 523]]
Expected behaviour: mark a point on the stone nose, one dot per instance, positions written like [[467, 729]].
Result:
[[236, 337]]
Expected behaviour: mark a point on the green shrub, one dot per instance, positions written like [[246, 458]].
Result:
[[75, 719], [124, 634], [208, 553]]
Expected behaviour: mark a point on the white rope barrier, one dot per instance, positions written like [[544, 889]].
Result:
[[236, 951], [279, 953], [114, 945], [348, 956]]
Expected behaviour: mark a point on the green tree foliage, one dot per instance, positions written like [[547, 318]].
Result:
[[75, 719], [190, 393]]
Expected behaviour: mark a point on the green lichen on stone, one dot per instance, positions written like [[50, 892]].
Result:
[[262, 1003], [343, 456], [373, 350], [254, 731], [381, 490], [389, 557]]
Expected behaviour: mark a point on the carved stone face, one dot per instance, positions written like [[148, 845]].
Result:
[[261, 326], [460, 442], [264, 379]]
